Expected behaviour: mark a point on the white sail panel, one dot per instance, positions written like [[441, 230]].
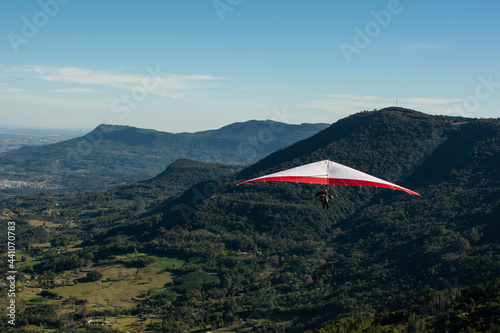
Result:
[[328, 173]]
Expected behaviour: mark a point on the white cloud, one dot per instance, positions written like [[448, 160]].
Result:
[[349, 104], [12, 90], [75, 90], [430, 101], [355, 97], [153, 80], [444, 106]]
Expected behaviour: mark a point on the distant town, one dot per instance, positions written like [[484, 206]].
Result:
[[11, 184], [15, 138]]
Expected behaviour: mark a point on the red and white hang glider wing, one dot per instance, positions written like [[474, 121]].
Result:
[[327, 172]]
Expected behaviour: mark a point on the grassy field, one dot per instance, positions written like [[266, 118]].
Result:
[[166, 262], [132, 324], [118, 287], [48, 224], [38, 223], [122, 286]]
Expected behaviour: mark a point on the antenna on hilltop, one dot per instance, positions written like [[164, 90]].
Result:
[[396, 98]]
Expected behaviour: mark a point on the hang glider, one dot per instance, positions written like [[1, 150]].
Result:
[[327, 172]]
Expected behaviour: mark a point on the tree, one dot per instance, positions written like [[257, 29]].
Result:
[[94, 275]]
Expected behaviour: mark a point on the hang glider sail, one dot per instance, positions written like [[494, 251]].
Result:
[[327, 172]]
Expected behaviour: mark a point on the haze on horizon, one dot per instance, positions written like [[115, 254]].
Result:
[[184, 67]]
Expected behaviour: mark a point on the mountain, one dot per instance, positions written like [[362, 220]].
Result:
[[110, 155], [374, 249], [266, 256]]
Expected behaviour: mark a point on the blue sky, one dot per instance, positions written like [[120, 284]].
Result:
[[190, 65]]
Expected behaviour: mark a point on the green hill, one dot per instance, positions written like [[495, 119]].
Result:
[[111, 155], [375, 250], [265, 256], [99, 209]]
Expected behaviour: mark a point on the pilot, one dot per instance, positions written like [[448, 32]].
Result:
[[324, 196]]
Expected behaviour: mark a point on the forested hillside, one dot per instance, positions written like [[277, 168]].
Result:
[[266, 256], [384, 249], [470, 309]]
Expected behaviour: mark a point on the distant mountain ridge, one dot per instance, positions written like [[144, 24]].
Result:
[[114, 154]]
